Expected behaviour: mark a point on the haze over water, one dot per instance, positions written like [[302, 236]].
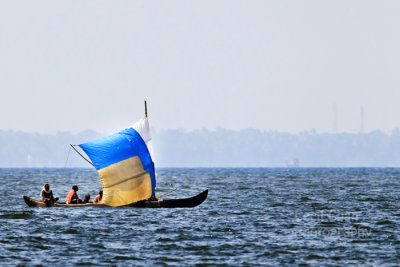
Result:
[[251, 217]]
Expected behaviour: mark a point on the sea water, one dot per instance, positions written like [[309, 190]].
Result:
[[251, 217]]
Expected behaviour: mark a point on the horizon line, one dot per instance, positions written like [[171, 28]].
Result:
[[311, 131]]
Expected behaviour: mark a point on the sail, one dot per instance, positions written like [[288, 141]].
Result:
[[125, 165]]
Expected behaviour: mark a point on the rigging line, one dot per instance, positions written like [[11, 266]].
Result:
[[66, 161], [168, 193], [73, 146]]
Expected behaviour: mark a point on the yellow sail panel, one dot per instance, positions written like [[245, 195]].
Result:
[[125, 182]]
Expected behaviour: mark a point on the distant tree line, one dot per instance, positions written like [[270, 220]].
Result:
[[216, 148]]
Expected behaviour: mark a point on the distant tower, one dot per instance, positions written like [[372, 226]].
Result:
[[335, 118], [361, 119]]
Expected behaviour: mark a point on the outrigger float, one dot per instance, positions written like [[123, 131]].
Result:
[[124, 163]]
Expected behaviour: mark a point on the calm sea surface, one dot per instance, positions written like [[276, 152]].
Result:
[[251, 217]]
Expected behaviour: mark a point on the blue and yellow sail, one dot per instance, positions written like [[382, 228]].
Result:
[[125, 164]]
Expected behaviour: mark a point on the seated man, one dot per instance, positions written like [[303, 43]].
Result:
[[98, 198], [86, 199], [47, 195], [72, 197]]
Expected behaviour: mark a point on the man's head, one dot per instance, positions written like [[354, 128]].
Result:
[[75, 188]]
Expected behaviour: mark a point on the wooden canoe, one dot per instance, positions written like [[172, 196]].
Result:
[[164, 203]]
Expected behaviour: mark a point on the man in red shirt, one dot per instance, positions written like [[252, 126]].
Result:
[[72, 197]]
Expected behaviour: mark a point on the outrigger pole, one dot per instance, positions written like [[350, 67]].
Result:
[[73, 146]]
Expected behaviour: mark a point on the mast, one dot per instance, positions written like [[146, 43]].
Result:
[[145, 108]]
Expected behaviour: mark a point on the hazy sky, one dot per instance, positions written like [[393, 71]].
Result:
[[271, 65]]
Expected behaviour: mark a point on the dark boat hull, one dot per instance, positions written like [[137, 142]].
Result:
[[173, 203], [165, 203]]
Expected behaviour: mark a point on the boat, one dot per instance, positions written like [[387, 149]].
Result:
[[124, 163], [166, 203]]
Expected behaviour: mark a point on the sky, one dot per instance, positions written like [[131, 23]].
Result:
[[270, 65]]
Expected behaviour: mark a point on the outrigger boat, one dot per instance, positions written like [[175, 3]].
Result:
[[166, 203], [124, 163]]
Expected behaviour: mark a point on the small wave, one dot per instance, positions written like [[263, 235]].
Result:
[[315, 257], [305, 199], [71, 232], [17, 215], [41, 247], [222, 229], [197, 248], [384, 222], [336, 258], [129, 258], [374, 199], [278, 204], [320, 206], [165, 239]]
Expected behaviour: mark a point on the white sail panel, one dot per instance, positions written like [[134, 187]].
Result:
[[143, 128]]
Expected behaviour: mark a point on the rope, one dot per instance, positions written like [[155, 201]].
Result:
[[66, 161], [73, 146], [168, 193]]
